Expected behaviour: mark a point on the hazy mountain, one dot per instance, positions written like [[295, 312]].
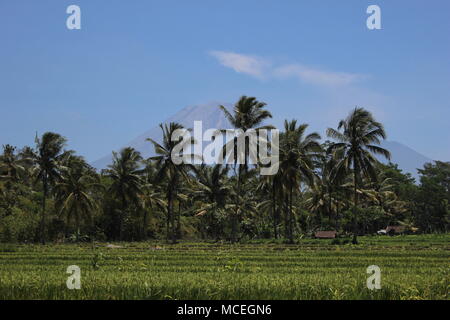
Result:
[[211, 116], [407, 159]]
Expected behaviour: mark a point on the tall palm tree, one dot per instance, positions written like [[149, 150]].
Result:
[[212, 189], [297, 154], [358, 138], [127, 185], [74, 193], [170, 171], [48, 156], [248, 113]]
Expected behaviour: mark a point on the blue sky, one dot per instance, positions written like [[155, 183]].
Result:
[[135, 63]]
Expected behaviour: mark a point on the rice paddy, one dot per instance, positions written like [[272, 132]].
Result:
[[412, 267]]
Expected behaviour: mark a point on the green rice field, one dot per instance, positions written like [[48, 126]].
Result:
[[412, 267]]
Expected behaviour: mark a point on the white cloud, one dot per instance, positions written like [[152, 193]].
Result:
[[241, 63], [316, 76], [262, 69]]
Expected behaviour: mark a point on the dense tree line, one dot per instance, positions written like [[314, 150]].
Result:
[[48, 193]]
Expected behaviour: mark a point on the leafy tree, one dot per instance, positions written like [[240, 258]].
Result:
[[358, 137], [271, 190], [74, 192], [159, 197], [11, 166], [47, 158], [127, 185], [212, 189], [434, 197], [248, 113], [297, 154], [11, 172], [153, 196], [169, 171]]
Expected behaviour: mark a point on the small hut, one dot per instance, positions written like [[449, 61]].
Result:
[[325, 234]]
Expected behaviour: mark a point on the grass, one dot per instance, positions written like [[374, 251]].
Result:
[[412, 267]]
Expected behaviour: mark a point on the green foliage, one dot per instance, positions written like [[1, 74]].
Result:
[[433, 197], [50, 193]]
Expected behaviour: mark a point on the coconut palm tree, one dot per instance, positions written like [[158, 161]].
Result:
[[12, 170], [248, 113], [127, 184], [152, 197], [168, 170], [271, 189], [212, 190], [11, 166], [74, 193], [323, 195], [297, 154], [47, 158], [384, 196], [358, 138], [244, 208]]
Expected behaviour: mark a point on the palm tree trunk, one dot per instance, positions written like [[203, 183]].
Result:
[[234, 228], [42, 228], [275, 233], [355, 204], [77, 222], [144, 226], [169, 212], [330, 205], [214, 224], [291, 218], [179, 221], [173, 218], [122, 215], [234, 218], [337, 216], [286, 216]]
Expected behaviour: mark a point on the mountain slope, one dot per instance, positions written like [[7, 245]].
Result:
[[407, 159], [209, 114]]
